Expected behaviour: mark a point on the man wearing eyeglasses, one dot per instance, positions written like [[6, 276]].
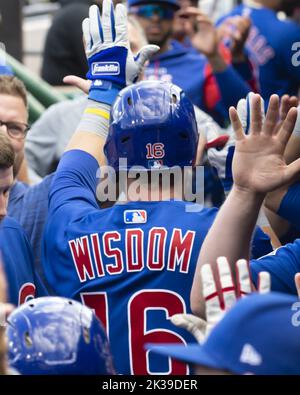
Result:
[[211, 83], [26, 204], [14, 116]]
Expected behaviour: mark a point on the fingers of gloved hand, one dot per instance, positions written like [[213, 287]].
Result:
[[209, 289], [195, 325], [95, 26], [244, 283], [145, 54], [226, 283], [86, 34], [121, 25], [264, 282], [108, 22]]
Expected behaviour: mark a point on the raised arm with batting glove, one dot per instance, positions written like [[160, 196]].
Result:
[[112, 67]]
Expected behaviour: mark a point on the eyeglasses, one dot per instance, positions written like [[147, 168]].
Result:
[[149, 10], [16, 130]]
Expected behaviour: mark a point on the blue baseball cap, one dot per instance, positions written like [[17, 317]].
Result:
[[259, 335], [174, 3]]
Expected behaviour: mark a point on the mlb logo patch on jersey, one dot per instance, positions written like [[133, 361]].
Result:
[[155, 164], [135, 216]]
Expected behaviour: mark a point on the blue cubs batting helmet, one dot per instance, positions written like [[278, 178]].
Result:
[[53, 335], [152, 125]]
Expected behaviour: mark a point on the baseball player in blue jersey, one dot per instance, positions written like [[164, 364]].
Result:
[[132, 263], [258, 167], [15, 249], [272, 45], [212, 85]]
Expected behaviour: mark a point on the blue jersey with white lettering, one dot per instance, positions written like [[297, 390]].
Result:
[[273, 49], [17, 259], [282, 264], [133, 264]]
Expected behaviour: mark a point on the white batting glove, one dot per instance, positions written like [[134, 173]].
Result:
[[220, 295], [111, 62], [244, 110], [218, 300], [195, 325]]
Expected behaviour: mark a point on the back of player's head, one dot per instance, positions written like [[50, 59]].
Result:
[[152, 125], [259, 335], [54, 335]]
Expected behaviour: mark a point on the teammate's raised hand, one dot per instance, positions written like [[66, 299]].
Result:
[[220, 294], [258, 163], [110, 59], [235, 30], [206, 40], [193, 324]]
